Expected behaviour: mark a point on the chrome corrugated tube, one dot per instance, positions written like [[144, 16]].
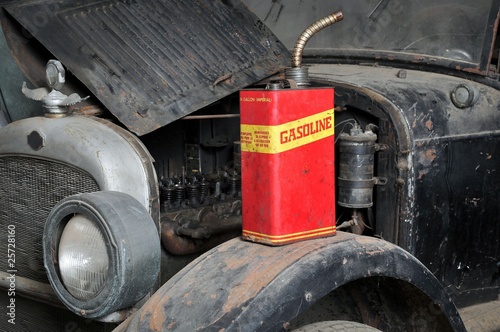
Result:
[[300, 75], [309, 32]]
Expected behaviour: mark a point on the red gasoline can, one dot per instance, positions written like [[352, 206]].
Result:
[[287, 164]]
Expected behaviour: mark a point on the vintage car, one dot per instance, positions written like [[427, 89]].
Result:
[[249, 166]]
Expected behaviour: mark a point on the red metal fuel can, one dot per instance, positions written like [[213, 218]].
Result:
[[287, 164]]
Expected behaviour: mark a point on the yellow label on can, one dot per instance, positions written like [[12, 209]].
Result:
[[287, 136]]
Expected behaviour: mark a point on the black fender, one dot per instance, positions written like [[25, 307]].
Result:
[[243, 286]]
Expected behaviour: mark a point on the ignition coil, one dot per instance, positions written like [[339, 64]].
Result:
[[356, 167]]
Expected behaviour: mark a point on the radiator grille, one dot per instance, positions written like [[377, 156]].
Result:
[[29, 188], [36, 316]]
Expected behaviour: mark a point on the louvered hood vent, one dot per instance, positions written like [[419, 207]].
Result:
[[153, 62]]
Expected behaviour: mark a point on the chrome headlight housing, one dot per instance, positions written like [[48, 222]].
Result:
[[101, 252]]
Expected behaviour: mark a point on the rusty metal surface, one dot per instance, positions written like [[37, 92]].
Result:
[[246, 286], [151, 63]]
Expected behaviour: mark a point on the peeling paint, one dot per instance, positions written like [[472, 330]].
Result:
[[254, 282], [422, 173], [429, 125], [426, 157]]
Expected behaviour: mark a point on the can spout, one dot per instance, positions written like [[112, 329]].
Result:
[[309, 32], [296, 72]]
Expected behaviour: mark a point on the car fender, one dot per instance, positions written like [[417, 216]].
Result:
[[253, 287]]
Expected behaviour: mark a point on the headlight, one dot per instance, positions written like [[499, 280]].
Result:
[[101, 252], [83, 258]]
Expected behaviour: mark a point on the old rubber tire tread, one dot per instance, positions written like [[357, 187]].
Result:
[[336, 326]]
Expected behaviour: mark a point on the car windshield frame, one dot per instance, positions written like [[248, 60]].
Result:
[[457, 34]]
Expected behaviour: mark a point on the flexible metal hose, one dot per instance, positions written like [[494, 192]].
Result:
[[309, 32]]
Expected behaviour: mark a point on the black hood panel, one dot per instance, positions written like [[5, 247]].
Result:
[[153, 62]]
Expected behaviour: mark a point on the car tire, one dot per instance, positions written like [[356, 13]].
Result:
[[336, 326]]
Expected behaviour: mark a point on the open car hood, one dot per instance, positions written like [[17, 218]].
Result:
[[153, 62]]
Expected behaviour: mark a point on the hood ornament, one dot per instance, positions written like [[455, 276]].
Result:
[[55, 102]]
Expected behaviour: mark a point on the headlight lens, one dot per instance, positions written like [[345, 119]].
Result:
[[83, 258]]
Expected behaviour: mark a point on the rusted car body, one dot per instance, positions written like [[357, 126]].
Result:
[[161, 125]]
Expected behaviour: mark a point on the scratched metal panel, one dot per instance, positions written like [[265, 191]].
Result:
[[153, 62]]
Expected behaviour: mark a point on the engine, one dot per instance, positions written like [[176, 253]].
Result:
[[197, 162]]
